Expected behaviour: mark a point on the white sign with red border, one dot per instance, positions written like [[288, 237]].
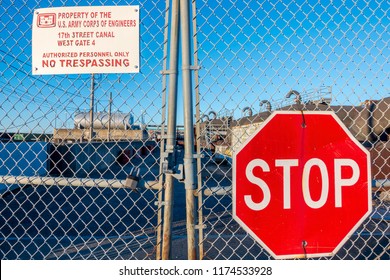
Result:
[[78, 40]]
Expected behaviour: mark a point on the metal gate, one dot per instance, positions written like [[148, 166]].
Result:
[[114, 189]]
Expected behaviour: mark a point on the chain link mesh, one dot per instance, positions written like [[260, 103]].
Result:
[[64, 196], [261, 56]]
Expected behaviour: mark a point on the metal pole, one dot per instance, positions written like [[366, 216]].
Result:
[[198, 133], [171, 130], [109, 118], [189, 161], [91, 106], [77, 182], [163, 138]]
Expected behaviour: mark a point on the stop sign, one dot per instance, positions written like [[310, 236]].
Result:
[[301, 184]]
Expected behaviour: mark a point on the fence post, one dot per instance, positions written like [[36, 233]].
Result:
[[169, 162], [189, 163], [92, 102], [198, 132], [163, 135]]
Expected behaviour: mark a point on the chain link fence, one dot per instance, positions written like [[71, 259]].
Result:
[[67, 193]]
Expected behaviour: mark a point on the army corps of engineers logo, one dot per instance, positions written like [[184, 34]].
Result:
[[46, 20]]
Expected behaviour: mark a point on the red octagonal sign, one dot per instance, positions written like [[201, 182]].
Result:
[[301, 184]]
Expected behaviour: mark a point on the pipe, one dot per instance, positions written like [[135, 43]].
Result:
[[91, 107], [189, 161], [171, 131], [298, 99], [163, 136], [214, 115], [77, 182], [109, 118], [205, 118], [198, 132], [249, 110], [268, 105], [218, 191], [381, 183]]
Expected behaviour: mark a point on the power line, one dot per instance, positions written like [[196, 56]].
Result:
[[26, 96], [36, 78], [29, 65]]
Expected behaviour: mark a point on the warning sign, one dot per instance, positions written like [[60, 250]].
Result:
[[78, 40]]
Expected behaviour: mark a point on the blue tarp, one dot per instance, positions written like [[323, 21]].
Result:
[[23, 159]]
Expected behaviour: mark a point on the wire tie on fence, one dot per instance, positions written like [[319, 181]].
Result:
[[304, 244], [159, 203], [191, 67], [168, 72], [166, 203], [201, 226], [131, 182], [198, 156]]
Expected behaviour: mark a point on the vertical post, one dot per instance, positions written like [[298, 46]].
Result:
[[91, 107], [163, 135], [198, 134], [171, 130], [189, 162]]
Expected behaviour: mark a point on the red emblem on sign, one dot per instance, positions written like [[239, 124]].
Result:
[[301, 184], [46, 20]]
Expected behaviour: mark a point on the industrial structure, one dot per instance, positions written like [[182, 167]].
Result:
[[105, 127], [368, 123]]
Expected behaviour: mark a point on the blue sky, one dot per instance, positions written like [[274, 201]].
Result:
[[40, 103], [298, 45], [248, 51]]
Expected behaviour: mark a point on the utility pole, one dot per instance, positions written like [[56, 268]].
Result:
[[91, 109], [109, 118]]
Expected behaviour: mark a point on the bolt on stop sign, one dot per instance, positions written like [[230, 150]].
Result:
[[301, 184]]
